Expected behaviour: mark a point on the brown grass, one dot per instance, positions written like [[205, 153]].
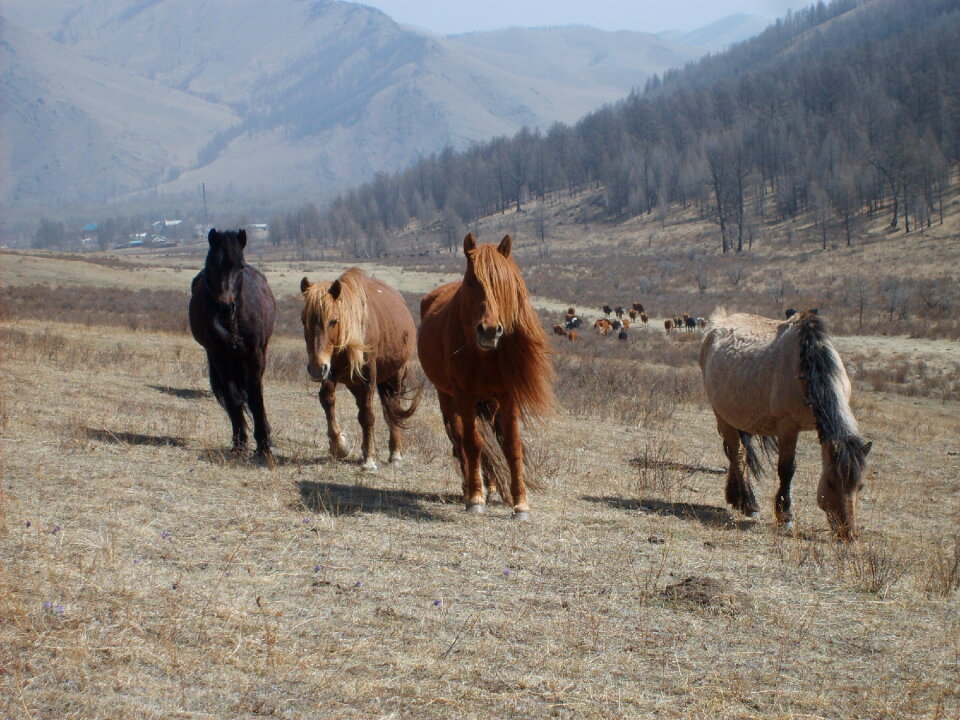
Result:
[[147, 574]]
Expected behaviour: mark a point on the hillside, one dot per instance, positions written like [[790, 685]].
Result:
[[318, 95], [74, 128], [148, 574]]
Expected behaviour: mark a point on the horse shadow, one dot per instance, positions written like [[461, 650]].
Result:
[[654, 464], [182, 393], [342, 499], [120, 437], [708, 515]]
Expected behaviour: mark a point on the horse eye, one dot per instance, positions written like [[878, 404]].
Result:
[[333, 322]]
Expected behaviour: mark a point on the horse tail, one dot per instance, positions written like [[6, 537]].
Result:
[[768, 449], [492, 460], [392, 396], [229, 387]]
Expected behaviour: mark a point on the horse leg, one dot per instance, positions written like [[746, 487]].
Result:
[[364, 393], [473, 495], [230, 397], [261, 426], [328, 401], [389, 392], [508, 419], [453, 425], [739, 491], [786, 465]]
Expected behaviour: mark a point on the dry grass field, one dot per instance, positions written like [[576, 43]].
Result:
[[146, 574]]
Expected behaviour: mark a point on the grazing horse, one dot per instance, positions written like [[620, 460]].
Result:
[[633, 314], [622, 335], [603, 326], [668, 325], [482, 346], [572, 335], [232, 311], [559, 330], [607, 310], [643, 318], [776, 379], [619, 311], [359, 332], [638, 307], [689, 322], [701, 323]]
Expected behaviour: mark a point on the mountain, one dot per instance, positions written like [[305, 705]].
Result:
[[295, 97], [75, 129], [719, 35]]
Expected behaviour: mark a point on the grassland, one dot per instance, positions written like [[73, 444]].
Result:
[[146, 574]]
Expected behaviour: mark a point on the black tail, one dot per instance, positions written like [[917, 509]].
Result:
[[392, 396], [768, 448]]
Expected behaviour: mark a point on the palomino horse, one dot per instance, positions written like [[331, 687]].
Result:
[[359, 332], [482, 346], [775, 379], [231, 315]]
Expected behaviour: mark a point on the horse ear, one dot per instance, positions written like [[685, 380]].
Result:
[[504, 246], [469, 244], [304, 284], [243, 238], [867, 448], [212, 235], [335, 289]]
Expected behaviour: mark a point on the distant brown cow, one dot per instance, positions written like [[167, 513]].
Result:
[[668, 325]]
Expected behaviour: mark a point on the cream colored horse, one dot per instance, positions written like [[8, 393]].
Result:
[[775, 379]]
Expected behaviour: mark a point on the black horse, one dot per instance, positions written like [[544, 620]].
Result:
[[232, 311]]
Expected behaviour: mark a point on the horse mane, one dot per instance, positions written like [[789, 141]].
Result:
[[319, 305], [820, 365], [523, 355]]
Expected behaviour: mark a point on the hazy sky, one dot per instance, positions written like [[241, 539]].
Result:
[[457, 16]]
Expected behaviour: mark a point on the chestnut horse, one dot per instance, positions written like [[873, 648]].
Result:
[[359, 332], [482, 346], [775, 379], [232, 311]]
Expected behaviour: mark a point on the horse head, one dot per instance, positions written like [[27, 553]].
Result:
[[224, 267], [489, 292], [841, 480], [334, 322]]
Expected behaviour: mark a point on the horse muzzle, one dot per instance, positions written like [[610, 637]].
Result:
[[488, 336], [319, 373]]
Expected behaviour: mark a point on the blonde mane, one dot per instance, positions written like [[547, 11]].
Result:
[[350, 307]]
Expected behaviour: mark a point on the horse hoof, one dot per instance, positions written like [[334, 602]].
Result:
[[266, 457], [754, 515], [369, 466], [476, 509], [396, 459], [521, 516]]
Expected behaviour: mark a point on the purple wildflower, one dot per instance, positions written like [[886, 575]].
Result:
[[437, 603], [317, 568], [47, 604], [359, 584], [28, 523], [56, 529], [164, 534]]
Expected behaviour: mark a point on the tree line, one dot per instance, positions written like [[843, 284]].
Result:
[[835, 110]]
